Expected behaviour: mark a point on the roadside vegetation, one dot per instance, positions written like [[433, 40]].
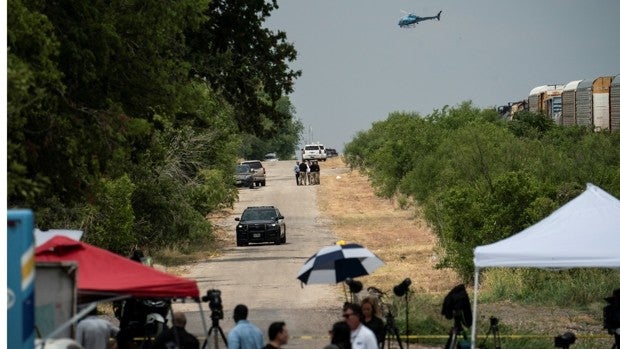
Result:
[[475, 179], [125, 119]]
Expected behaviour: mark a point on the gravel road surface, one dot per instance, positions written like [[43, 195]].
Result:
[[264, 276]]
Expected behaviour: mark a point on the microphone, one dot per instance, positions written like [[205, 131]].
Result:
[[354, 286], [402, 288]]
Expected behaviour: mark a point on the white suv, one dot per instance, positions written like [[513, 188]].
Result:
[[313, 152]]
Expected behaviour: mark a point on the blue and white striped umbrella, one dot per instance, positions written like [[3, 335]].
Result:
[[333, 264]]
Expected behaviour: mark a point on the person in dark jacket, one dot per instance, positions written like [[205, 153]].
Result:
[[303, 173], [371, 318], [177, 336]]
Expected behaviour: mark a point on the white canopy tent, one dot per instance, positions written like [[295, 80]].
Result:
[[584, 233]]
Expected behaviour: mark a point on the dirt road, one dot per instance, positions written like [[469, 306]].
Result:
[[264, 276]]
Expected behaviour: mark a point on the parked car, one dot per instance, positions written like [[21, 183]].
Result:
[[260, 175], [271, 157], [261, 224], [244, 176], [314, 151], [331, 152]]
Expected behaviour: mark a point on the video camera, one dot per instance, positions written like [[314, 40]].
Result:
[[564, 340], [456, 305], [214, 297], [611, 313]]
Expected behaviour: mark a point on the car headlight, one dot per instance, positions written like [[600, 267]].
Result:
[[273, 225]]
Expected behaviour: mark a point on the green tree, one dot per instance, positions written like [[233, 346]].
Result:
[[480, 179], [245, 61]]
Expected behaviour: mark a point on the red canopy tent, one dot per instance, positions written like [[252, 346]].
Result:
[[103, 272]]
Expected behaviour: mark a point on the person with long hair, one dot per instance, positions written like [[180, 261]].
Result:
[[371, 318], [340, 336]]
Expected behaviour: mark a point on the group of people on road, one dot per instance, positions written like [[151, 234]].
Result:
[[361, 328], [307, 173]]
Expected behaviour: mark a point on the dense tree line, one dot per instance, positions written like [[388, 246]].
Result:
[[125, 118], [478, 178]]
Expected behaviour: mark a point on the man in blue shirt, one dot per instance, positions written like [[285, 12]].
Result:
[[245, 334]]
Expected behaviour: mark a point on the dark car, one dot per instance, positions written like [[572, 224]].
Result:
[[331, 152], [261, 224], [244, 176]]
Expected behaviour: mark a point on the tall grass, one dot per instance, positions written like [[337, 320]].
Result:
[[568, 288], [578, 289]]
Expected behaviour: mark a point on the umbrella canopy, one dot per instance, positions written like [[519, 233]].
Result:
[[103, 272], [333, 264]]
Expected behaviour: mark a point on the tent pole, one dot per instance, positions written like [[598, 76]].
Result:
[[202, 316], [475, 314]]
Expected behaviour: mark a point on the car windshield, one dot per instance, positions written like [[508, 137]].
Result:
[[257, 215], [312, 147], [253, 164], [243, 168]]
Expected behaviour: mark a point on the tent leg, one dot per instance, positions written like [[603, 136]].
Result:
[[475, 313], [204, 321]]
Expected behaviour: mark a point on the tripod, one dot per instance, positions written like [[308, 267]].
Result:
[[391, 331], [457, 329], [493, 328], [215, 325]]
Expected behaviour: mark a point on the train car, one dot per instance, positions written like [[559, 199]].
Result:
[[614, 104], [547, 100], [583, 103], [592, 103], [600, 102], [568, 103]]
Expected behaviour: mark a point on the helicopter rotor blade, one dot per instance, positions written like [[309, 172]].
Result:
[[405, 12]]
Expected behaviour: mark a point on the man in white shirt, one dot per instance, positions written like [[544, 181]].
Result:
[[361, 336]]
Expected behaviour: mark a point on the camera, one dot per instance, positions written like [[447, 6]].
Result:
[[214, 297], [565, 340], [354, 285], [611, 313], [456, 306], [494, 321]]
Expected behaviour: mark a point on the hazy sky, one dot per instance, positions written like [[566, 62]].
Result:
[[358, 65]]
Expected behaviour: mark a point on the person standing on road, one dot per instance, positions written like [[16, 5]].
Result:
[[371, 318], [303, 173], [313, 171], [278, 335], [340, 335], [177, 336], [93, 332], [361, 336], [245, 335], [296, 170], [317, 173]]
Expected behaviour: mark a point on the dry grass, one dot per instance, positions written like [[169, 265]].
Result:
[[408, 247], [398, 236]]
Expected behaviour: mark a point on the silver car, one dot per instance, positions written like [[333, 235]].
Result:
[[260, 175]]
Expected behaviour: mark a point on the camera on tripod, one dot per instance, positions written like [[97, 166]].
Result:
[[494, 321], [214, 297], [456, 306], [565, 340], [611, 313]]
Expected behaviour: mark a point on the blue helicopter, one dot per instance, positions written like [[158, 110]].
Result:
[[410, 20]]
